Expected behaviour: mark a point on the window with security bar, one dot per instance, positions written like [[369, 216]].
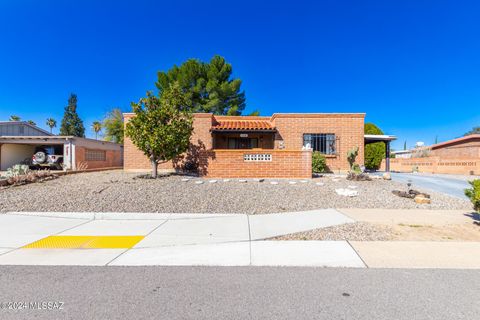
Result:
[[322, 142]]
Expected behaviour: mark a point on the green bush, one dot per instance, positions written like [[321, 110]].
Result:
[[474, 194], [374, 152], [319, 163]]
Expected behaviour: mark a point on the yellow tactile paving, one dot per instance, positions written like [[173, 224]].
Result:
[[85, 242]]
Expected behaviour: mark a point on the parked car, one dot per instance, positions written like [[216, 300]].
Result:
[[48, 157]]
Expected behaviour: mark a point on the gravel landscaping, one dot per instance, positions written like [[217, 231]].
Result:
[[357, 231], [117, 191]]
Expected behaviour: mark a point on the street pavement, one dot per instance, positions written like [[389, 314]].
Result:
[[450, 185], [240, 293]]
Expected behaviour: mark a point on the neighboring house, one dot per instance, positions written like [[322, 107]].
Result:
[[467, 147], [402, 154], [279, 146], [457, 156], [19, 140]]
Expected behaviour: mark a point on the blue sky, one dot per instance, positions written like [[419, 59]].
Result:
[[412, 66]]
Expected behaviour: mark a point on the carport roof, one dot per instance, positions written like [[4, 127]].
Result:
[[45, 139]]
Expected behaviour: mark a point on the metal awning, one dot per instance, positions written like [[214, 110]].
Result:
[[371, 138]]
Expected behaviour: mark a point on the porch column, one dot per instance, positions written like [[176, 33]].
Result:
[[387, 156]]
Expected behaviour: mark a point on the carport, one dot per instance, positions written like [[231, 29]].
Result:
[[372, 138], [77, 152], [15, 149]]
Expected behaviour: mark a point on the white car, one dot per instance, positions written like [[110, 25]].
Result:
[[48, 156]]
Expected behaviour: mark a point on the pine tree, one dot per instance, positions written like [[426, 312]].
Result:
[[72, 125], [208, 87]]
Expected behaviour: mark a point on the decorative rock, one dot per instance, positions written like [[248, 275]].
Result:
[[320, 184], [213, 181], [259, 180], [185, 179], [346, 192], [352, 187], [242, 180], [199, 182], [292, 182], [303, 181], [226, 180], [274, 182], [387, 176], [335, 180], [421, 199]]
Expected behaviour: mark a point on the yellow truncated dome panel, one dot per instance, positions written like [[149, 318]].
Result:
[[85, 242]]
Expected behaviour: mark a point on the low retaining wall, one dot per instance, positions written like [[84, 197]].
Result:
[[467, 166], [256, 164]]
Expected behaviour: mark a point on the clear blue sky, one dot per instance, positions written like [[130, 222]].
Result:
[[412, 66]]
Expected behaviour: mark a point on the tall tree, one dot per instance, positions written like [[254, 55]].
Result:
[[96, 127], [405, 145], [31, 122], [374, 152], [14, 118], [72, 125], [208, 86], [162, 126], [113, 126], [51, 123]]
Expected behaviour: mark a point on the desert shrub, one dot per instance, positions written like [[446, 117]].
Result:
[[319, 163], [17, 170], [474, 194], [374, 152]]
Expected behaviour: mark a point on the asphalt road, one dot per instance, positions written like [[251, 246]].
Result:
[[453, 186], [241, 293]]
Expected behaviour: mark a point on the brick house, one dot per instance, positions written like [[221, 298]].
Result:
[[279, 146]]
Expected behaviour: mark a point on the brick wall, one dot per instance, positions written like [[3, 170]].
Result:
[[113, 159], [436, 165], [348, 129], [231, 164]]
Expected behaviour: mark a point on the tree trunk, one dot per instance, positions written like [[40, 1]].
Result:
[[154, 168]]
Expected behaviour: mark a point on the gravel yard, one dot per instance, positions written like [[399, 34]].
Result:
[[357, 231], [117, 191]]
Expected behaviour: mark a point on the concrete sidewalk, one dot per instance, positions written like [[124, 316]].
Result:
[[123, 239], [170, 239]]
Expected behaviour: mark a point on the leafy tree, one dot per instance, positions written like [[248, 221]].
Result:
[[72, 125], [113, 125], [474, 194], [96, 127], [31, 122], [14, 118], [374, 152], [475, 130], [162, 126], [208, 86], [52, 123]]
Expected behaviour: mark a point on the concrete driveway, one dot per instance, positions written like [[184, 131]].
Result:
[[451, 185]]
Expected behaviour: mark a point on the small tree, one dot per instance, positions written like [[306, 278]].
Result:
[[72, 125], [96, 127], [113, 126], [31, 122], [14, 118], [51, 123], [162, 126]]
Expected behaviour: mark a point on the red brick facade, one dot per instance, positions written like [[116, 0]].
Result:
[[283, 142], [113, 159]]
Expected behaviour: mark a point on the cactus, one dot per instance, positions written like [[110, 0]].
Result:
[[17, 170], [351, 156]]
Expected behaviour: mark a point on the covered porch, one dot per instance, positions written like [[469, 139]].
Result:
[[372, 138]]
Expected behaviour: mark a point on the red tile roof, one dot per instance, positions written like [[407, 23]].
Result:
[[242, 125]]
